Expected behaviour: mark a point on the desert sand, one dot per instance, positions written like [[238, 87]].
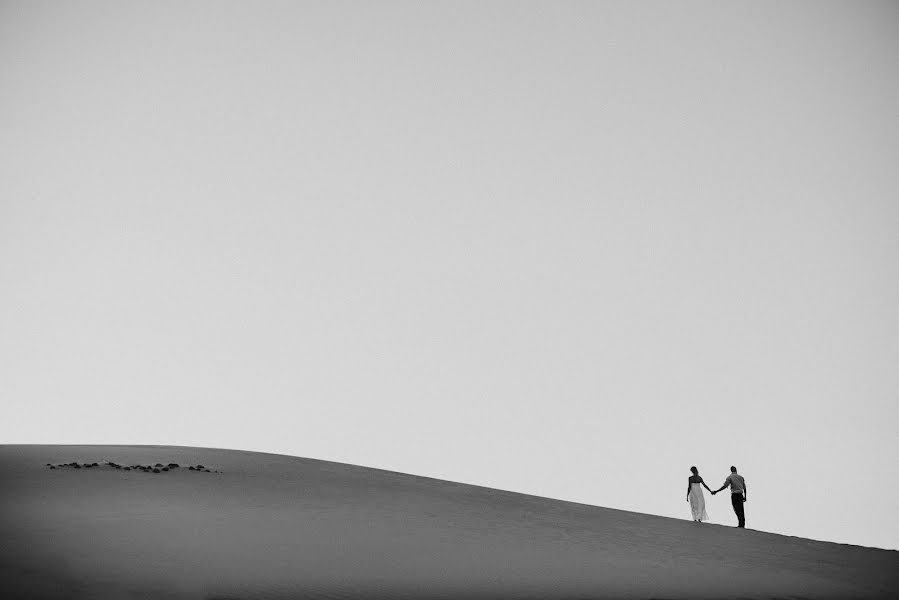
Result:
[[273, 526]]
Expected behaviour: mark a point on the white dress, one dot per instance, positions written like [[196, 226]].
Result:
[[697, 503]]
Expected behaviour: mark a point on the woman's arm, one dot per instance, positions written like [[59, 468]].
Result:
[[688, 489], [704, 485]]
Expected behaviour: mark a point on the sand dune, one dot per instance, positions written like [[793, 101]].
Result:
[[272, 526]]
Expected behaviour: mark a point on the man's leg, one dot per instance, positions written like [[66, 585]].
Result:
[[737, 501]]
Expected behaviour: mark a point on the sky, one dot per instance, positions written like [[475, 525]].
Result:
[[565, 248]]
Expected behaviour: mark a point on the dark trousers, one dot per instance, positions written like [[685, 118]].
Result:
[[737, 501]]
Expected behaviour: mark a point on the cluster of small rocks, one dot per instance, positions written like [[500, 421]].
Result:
[[156, 468]]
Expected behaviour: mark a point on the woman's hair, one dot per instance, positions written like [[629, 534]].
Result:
[[695, 470]]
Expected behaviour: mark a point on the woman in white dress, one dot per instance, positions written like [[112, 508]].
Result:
[[695, 496]]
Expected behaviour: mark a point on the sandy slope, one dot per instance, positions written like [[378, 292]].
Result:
[[272, 526]]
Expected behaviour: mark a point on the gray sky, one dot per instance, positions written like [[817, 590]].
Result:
[[568, 249]]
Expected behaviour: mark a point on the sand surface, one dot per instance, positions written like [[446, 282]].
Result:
[[272, 526]]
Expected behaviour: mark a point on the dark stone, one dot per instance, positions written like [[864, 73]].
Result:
[[192, 469], [165, 468], [156, 470], [77, 466], [200, 467], [158, 465], [118, 466], [52, 467], [127, 468], [173, 465]]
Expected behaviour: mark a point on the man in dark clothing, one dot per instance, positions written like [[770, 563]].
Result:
[[738, 494]]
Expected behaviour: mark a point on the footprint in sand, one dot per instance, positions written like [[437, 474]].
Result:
[[157, 468]]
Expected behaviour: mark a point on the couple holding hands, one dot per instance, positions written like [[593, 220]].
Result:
[[697, 501]]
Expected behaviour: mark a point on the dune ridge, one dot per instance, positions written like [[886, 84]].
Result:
[[275, 526]]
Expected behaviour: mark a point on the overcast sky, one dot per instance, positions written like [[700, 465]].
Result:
[[568, 249]]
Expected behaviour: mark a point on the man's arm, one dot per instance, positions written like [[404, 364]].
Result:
[[726, 483], [745, 491]]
